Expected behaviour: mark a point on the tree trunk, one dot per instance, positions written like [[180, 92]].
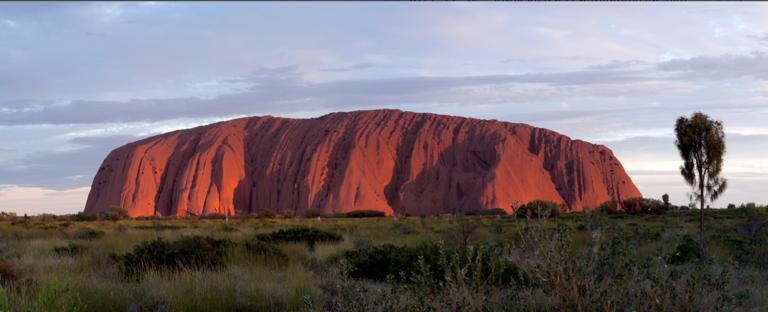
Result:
[[701, 210]]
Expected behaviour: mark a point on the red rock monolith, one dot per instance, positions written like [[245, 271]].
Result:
[[387, 160]]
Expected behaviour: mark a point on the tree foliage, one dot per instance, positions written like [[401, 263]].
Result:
[[701, 142]]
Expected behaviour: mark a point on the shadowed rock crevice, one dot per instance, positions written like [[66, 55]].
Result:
[[401, 170]]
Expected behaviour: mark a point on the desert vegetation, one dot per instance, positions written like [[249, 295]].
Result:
[[645, 258]]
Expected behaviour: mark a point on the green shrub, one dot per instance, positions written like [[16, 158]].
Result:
[[213, 216], [365, 214], [388, 261], [641, 205], [496, 227], [748, 206], [113, 214], [462, 233], [228, 228], [753, 233], [151, 218], [287, 214], [383, 261], [265, 214], [70, 250], [539, 209], [486, 212], [609, 207], [158, 226], [88, 234], [403, 228], [433, 264], [687, 251], [313, 213], [362, 242], [82, 216], [46, 226], [261, 248], [307, 235], [740, 295], [190, 252], [7, 216]]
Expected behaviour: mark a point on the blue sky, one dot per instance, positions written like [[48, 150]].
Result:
[[79, 79]]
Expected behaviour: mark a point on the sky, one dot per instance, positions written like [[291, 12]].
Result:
[[80, 79]]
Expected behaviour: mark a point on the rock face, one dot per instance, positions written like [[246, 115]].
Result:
[[387, 160]]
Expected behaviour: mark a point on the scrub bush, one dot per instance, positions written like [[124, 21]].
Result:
[[643, 206], [70, 250], [687, 251], [190, 252], [539, 209], [260, 248], [306, 235], [365, 214], [486, 212], [433, 264], [88, 234]]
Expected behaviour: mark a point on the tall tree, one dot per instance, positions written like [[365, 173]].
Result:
[[701, 142]]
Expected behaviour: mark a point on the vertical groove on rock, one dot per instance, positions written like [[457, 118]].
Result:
[[401, 170]]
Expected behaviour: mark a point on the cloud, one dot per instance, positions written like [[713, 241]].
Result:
[[728, 66], [618, 64], [353, 67], [283, 89], [9, 23], [66, 156], [760, 38], [63, 169]]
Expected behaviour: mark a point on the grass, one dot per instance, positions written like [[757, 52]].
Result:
[[577, 262]]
